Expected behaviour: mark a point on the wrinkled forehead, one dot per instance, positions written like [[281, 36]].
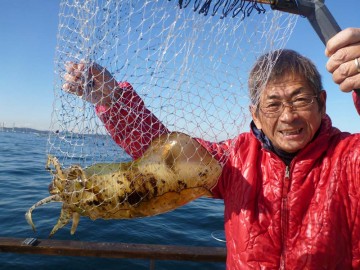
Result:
[[286, 86]]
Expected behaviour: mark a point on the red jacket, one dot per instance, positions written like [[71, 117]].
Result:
[[302, 216]]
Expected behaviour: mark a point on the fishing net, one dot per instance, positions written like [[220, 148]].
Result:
[[182, 65], [190, 69]]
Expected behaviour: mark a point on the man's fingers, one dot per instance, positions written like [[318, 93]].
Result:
[[345, 70], [72, 78], [73, 88], [95, 71], [342, 39], [342, 56], [350, 83], [73, 84], [75, 69], [90, 81]]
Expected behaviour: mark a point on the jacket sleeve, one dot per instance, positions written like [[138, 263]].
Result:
[[356, 98], [131, 125]]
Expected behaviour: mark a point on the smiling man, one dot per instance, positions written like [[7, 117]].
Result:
[[290, 107], [291, 186]]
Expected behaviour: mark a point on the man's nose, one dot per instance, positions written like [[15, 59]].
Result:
[[288, 113]]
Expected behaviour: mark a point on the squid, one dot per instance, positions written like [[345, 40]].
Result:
[[174, 170]]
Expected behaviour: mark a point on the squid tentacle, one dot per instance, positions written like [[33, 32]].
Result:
[[65, 216], [53, 198]]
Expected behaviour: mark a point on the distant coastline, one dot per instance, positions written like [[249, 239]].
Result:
[[58, 133], [24, 130]]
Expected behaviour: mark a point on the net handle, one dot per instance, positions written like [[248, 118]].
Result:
[[318, 15], [315, 11]]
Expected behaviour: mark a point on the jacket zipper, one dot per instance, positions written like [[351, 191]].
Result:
[[284, 216]]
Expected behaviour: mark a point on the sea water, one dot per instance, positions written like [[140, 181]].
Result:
[[24, 181]]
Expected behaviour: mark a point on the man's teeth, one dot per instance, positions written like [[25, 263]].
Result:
[[291, 132]]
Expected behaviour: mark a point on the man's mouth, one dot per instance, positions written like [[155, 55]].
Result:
[[291, 132]]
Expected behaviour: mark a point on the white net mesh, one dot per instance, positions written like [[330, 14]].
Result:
[[189, 69]]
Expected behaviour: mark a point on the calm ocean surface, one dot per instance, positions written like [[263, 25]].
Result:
[[24, 181]]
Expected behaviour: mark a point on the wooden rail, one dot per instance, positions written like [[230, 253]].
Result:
[[112, 250]]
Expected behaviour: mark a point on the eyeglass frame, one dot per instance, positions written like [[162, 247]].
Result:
[[289, 104]]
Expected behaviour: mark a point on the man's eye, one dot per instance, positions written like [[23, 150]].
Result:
[[301, 100], [273, 105]]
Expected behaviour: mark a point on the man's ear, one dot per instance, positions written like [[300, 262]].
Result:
[[322, 102], [255, 116]]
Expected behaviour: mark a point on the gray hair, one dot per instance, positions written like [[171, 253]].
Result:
[[274, 65]]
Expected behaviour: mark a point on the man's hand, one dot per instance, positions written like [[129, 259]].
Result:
[[92, 82], [343, 49]]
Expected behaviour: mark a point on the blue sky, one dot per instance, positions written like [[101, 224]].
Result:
[[28, 39]]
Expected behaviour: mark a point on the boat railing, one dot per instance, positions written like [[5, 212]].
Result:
[[151, 252]]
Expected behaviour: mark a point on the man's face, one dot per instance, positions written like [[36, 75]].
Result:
[[291, 129]]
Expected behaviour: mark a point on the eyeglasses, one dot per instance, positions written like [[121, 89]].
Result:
[[274, 108]]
